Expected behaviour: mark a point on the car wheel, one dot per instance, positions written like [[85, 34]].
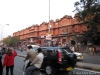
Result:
[[49, 70]]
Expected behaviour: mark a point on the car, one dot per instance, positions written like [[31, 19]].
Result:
[[58, 59], [34, 47], [79, 55]]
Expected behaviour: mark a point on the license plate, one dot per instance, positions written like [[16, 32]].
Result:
[[69, 68]]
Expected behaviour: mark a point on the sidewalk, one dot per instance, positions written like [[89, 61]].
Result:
[[88, 66]]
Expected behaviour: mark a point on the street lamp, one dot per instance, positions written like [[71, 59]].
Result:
[[2, 29]]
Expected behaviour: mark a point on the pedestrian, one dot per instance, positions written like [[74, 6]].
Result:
[[93, 50], [1, 69], [90, 50], [87, 49], [97, 50], [9, 60]]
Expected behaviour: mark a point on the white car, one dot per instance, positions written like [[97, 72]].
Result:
[[34, 47], [79, 55]]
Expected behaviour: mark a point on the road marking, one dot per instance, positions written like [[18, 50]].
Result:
[[18, 70], [87, 70]]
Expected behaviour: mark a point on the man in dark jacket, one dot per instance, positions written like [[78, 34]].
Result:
[[1, 69]]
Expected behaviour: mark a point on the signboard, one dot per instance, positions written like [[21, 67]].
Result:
[[31, 39], [48, 36]]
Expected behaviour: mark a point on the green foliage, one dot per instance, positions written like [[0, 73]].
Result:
[[89, 13], [12, 41]]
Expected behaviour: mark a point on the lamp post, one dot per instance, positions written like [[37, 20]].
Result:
[[48, 35], [49, 24], [2, 29], [49, 17]]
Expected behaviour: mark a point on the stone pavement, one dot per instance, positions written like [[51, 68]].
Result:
[[88, 66]]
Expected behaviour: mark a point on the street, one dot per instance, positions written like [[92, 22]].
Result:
[[94, 59], [18, 69]]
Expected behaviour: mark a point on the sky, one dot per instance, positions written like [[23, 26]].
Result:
[[20, 14]]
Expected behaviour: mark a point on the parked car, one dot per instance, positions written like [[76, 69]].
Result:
[[58, 59], [79, 55]]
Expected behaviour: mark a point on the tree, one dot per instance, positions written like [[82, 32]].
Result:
[[12, 41], [88, 12]]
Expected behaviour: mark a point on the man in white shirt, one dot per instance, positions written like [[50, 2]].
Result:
[[36, 63]]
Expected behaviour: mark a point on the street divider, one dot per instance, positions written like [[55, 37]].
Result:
[[88, 66]]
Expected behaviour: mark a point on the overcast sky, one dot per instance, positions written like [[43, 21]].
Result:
[[20, 14]]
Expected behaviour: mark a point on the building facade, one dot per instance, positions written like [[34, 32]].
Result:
[[63, 31]]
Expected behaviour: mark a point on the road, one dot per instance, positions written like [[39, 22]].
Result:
[[94, 59], [18, 68]]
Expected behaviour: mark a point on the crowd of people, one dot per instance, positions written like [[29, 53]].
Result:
[[93, 50]]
